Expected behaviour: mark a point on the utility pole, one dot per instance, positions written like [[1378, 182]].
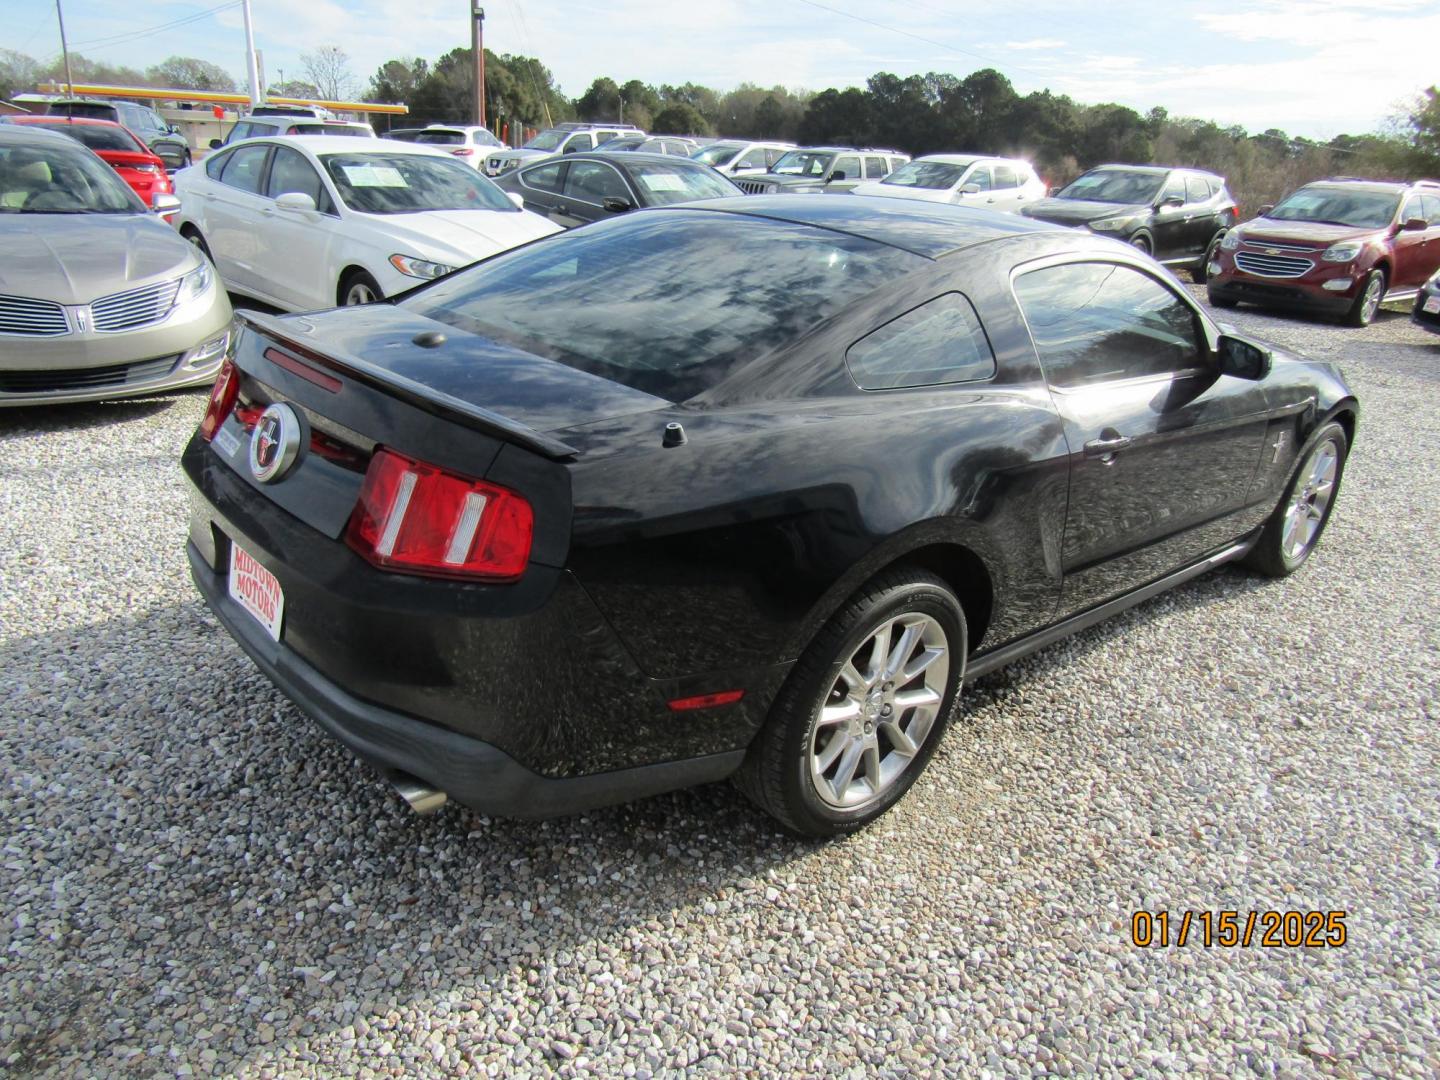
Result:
[[64, 48], [251, 67], [477, 48]]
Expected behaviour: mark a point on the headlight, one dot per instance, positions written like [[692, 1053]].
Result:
[[1343, 252], [1112, 224], [413, 267], [196, 283], [1232, 240]]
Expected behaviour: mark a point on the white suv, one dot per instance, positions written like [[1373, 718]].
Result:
[[469, 143], [560, 139], [966, 179], [737, 158]]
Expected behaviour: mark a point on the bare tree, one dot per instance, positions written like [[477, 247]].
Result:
[[328, 68]]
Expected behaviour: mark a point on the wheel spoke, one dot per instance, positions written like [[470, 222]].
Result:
[[849, 762], [901, 652], [919, 664], [872, 765], [838, 713], [919, 698], [899, 739], [833, 748], [852, 677], [880, 653]]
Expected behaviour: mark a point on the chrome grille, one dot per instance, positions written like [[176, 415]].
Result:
[[752, 187], [1309, 249], [138, 307], [1273, 266], [33, 318]]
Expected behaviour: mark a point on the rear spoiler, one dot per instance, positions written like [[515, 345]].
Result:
[[411, 392]]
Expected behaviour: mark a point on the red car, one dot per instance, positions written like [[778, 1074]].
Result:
[[115, 145], [1339, 246]]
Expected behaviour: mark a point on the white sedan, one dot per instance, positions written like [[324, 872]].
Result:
[[967, 179], [307, 222]]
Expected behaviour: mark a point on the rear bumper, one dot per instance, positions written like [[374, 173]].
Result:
[[469, 770], [1426, 320]]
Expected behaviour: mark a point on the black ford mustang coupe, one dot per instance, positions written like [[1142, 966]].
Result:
[[747, 488]]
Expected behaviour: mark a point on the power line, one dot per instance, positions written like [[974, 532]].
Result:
[[136, 35]]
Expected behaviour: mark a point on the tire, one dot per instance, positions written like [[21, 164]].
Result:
[[1201, 273], [189, 232], [1307, 503], [1367, 302], [824, 721], [358, 287], [1143, 241]]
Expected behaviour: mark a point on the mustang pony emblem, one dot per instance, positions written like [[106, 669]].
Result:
[[275, 443]]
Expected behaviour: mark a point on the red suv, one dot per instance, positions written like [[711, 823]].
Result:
[[1340, 246]]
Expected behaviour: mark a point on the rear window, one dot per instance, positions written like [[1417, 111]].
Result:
[[98, 138], [93, 110], [441, 138], [665, 302]]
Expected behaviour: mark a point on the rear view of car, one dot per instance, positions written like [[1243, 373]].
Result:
[[468, 143], [100, 299], [1339, 247]]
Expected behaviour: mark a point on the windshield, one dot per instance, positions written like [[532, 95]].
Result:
[[668, 302], [1114, 186], [398, 183], [717, 155], [547, 140], [64, 179], [97, 137], [1332, 206], [803, 163], [664, 183], [932, 175]]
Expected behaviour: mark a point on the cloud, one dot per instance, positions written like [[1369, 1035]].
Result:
[[1037, 43]]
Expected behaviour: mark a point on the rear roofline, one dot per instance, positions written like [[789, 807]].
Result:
[[411, 392]]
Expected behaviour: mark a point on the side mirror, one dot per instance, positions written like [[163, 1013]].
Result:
[[1172, 200], [297, 202], [838, 174], [1415, 224], [616, 205], [215, 144], [1265, 209], [970, 189], [517, 199], [164, 204], [571, 149], [1243, 359]]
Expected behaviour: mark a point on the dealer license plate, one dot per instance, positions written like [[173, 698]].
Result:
[[1432, 304], [256, 590]]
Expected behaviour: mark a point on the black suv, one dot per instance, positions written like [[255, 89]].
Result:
[[1176, 215], [144, 122]]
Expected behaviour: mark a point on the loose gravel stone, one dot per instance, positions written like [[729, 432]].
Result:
[[197, 882]]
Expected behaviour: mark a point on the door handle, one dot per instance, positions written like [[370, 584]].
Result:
[[1105, 447]]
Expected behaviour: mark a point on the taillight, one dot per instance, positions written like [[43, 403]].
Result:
[[416, 518], [466, 152], [222, 400]]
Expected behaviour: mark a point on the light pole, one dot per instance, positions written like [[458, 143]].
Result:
[[477, 47], [251, 67], [64, 48]]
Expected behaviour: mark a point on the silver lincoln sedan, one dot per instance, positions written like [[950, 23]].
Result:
[[99, 297]]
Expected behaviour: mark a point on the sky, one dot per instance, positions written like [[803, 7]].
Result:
[[1316, 68]]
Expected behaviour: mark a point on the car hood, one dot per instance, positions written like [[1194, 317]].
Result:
[[1309, 233], [77, 258], [895, 191], [1079, 211], [458, 237]]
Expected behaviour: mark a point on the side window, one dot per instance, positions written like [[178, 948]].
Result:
[[755, 159], [594, 182], [773, 155], [980, 177], [1196, 190], [240, 131], [1102, 322], [1412, 209], [291, 172], [941, 341], [1005, 177], [1431, 206], [583, 141], [542, 178], [245, 168], [875, 168], [849, 165], [1174, 189], [214, 164]]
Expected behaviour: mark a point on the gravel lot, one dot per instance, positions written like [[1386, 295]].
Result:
[[199, 882]]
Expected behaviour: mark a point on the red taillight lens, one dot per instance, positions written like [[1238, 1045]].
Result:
[[466, 152], [222, 400], [416, 518]]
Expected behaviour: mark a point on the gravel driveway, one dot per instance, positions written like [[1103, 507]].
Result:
[[196, 881]]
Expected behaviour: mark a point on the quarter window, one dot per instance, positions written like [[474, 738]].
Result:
[[1103, 322], [245, 168], [543, 178], [594, 182], [941, 341]]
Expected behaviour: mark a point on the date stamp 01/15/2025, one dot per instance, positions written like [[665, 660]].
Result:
[[1238, 929]]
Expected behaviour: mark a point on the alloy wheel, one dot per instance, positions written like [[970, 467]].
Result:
[[359, 293], [879, 710], [1313, 493], [1373, 295]]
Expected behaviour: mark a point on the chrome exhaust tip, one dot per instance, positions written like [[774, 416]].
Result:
[[423, 798]]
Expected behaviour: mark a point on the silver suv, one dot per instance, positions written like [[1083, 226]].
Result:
[[560, 139]]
